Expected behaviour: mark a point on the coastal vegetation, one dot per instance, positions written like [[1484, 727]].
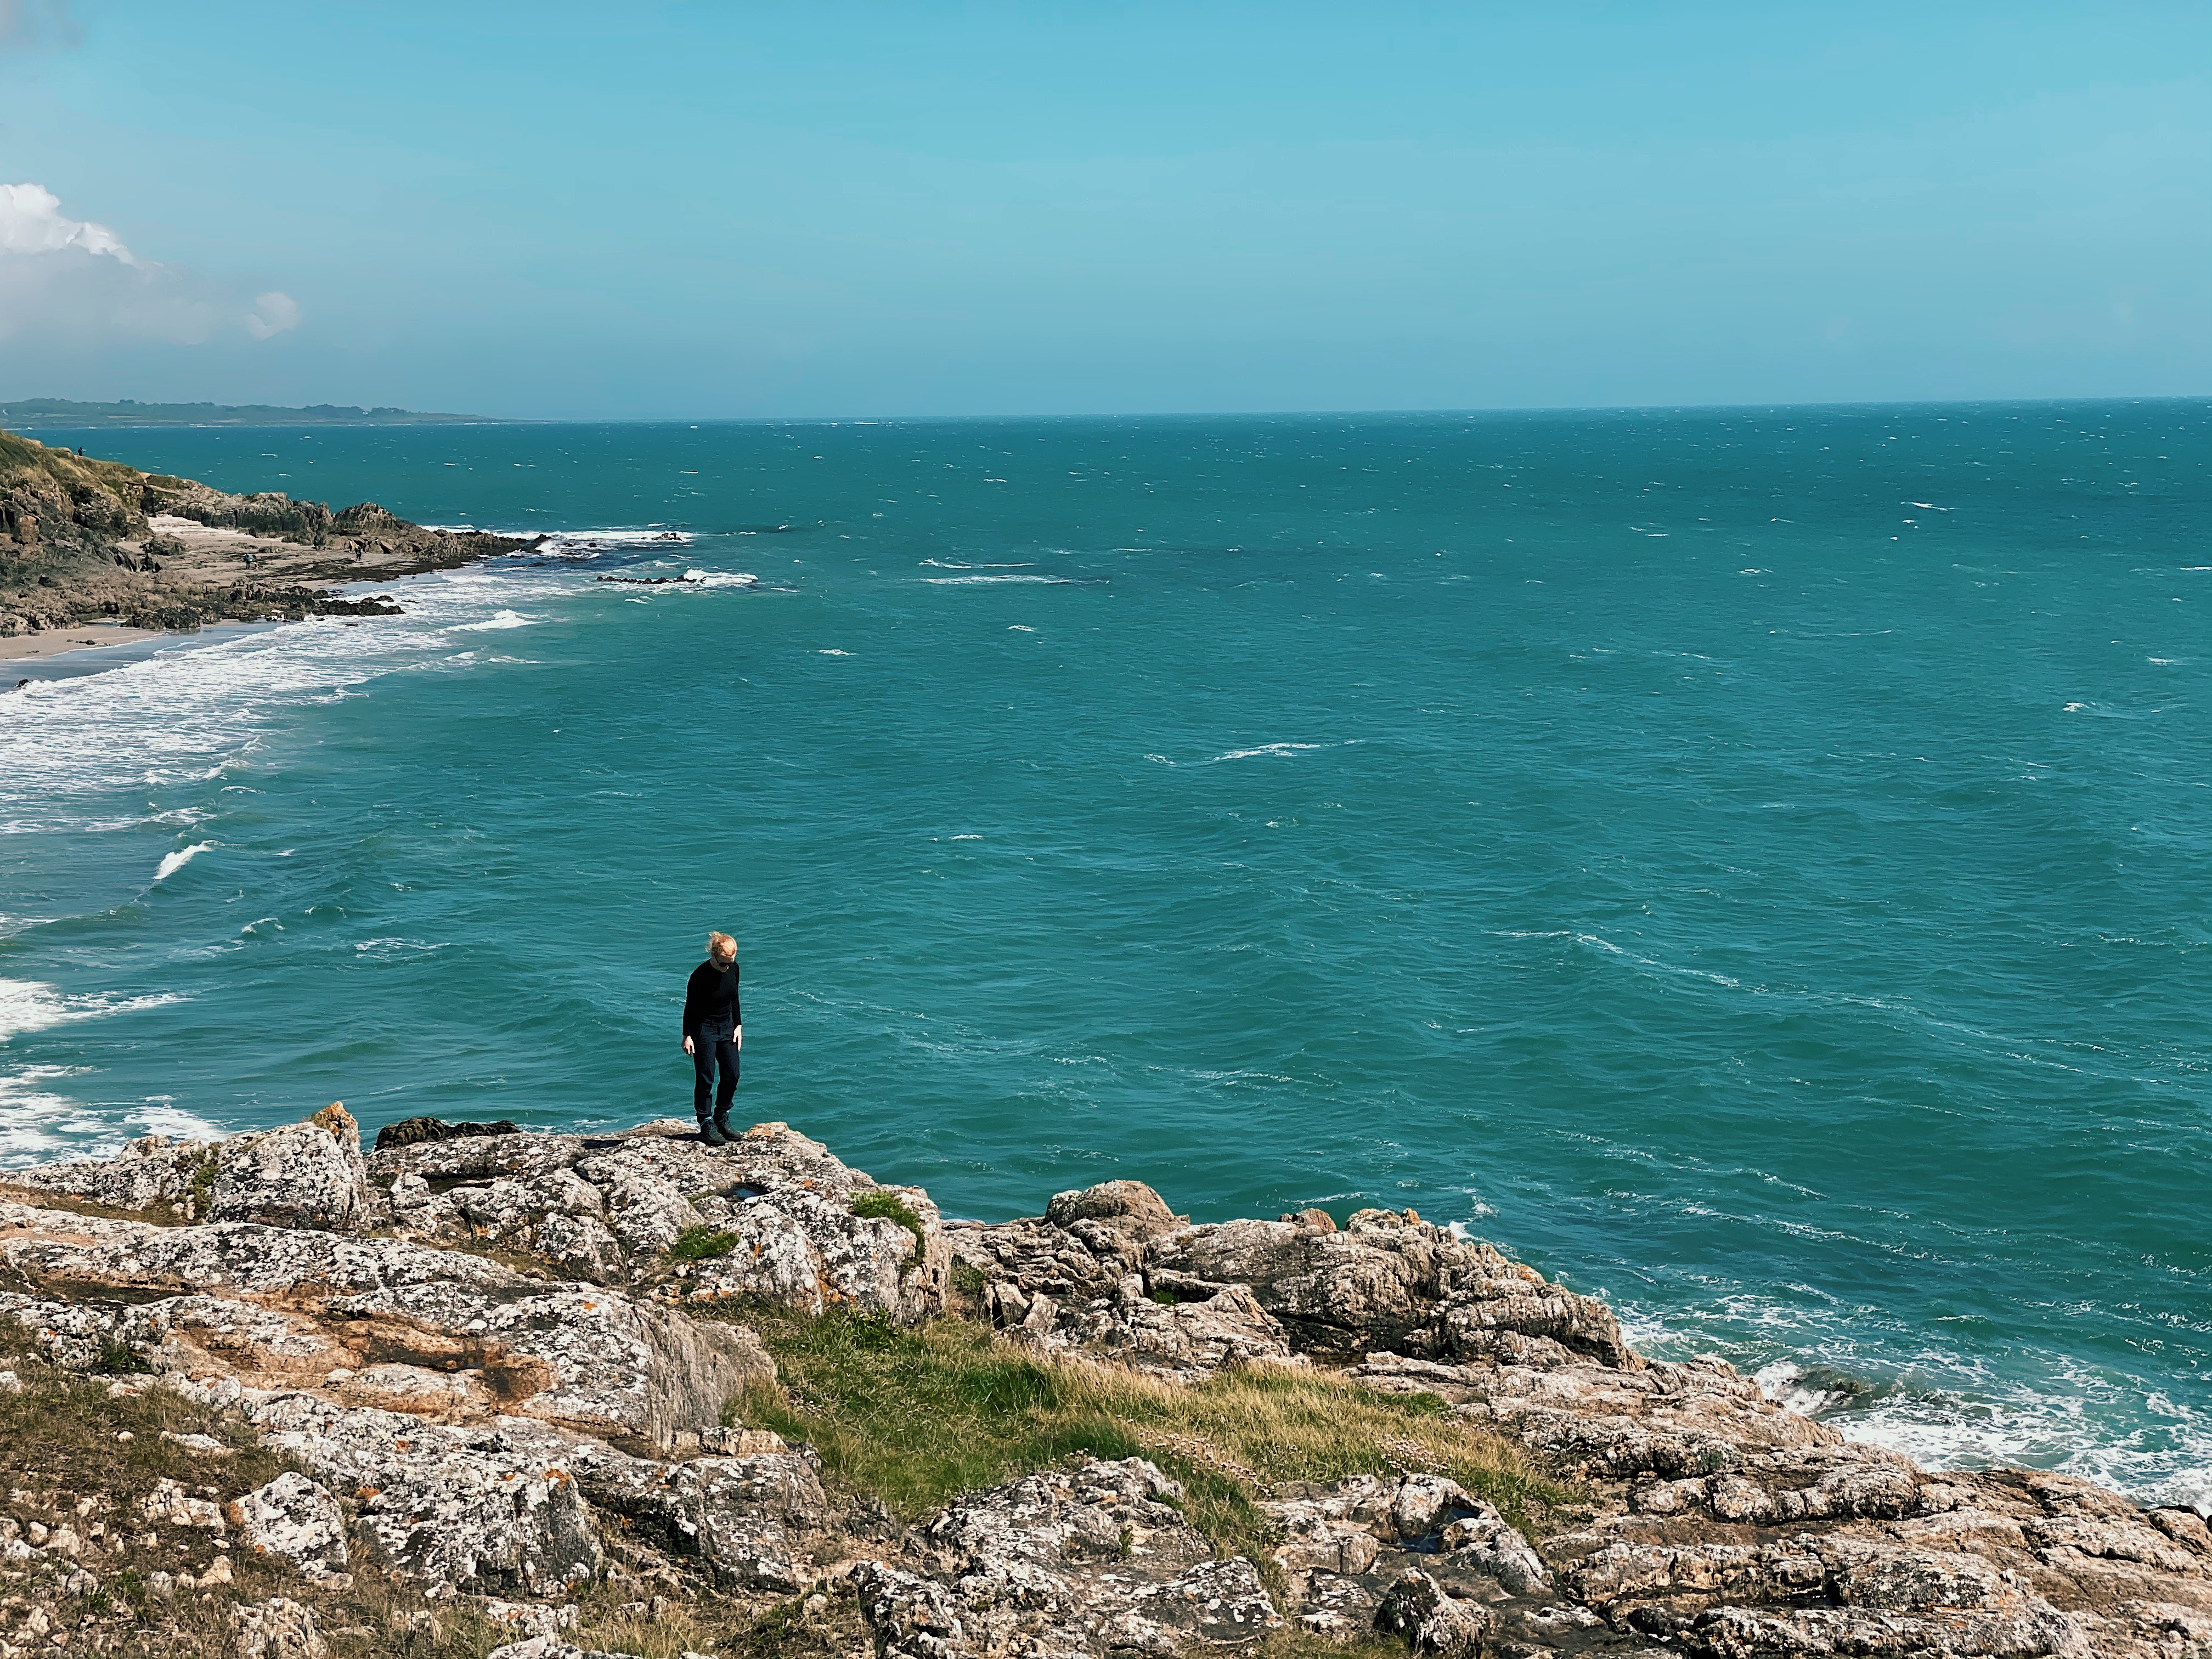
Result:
[[127, 412], [84, 540], [914, 1416]]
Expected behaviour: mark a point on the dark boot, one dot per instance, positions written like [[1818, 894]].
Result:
[[711, 1132], [722, 1123]]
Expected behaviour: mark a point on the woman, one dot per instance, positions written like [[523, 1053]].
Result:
[[714, 1031]]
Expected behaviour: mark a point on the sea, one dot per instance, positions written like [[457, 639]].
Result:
[[1754, 864]]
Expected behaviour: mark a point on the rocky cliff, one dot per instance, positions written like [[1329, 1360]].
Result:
[[515, 1391], [91, 541]]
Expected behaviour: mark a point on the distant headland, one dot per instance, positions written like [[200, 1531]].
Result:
[[33, 412]]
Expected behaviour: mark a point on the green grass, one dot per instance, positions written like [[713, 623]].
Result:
[[702, 1244], [889, 1206], [917, 1416]]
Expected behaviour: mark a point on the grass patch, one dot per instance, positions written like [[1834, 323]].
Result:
[[889, 1206], [968, 1279], [203, 1175], [917, 1416], [702, 1244]]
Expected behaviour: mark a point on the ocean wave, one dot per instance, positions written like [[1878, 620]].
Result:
[[28, 1004], [173, 862], [1279, 749], [36, 1123], [973, 581], [721, 579], [497, 620], [191, 713], [160, 1115], [956, 565]]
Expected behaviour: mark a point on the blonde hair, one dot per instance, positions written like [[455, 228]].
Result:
[[721, 944]]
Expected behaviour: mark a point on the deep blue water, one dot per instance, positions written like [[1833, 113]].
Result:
[[1752, 864]]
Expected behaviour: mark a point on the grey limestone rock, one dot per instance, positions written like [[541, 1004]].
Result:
[[1091, 1560], [492, 1507], [292, 1518], [278, 1628], [748, 1520], [1111, 1270], [437, 1332], [785, 1204], [306, 1175], [1432, 1621]]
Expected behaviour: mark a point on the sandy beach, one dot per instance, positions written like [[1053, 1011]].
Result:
[[60, 641]]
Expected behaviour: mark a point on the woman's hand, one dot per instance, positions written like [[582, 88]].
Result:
[[689, 1047], [738, 1039]]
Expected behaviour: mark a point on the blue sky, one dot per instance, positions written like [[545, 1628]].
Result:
[[833, 209]]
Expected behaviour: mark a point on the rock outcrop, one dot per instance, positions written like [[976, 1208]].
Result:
[[498, 1366], [91, 541], [1092, 1561]]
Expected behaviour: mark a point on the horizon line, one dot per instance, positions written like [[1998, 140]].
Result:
[[439, 418]]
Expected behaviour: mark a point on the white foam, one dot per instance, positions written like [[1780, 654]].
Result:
[[971, 582], [1280, 748], [173, 862], [498, 619], [832, 653], [161, 1115], [70, 745], [574, 543], [721, 579], [35, 1121], [28, 1004]]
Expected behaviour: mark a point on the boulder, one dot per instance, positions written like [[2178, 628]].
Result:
[[294, 1519], [303, 1175], [492, 1507], [747, 1521], [1090, 1560], [1430, 1620]]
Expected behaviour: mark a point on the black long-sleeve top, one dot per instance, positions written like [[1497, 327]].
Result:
[[710, 998]]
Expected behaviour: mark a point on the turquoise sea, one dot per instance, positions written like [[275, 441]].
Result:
[[1753, 864]]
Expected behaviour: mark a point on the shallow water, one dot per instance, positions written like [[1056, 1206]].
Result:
[[1749, 863]]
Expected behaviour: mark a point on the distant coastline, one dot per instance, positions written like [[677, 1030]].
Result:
[[32, 412]]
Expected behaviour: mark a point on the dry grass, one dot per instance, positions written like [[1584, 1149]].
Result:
[[917, 1417]]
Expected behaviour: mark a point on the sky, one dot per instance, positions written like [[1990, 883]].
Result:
[[934, 207]]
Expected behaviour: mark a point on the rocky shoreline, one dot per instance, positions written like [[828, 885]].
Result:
[[514, 1391], [92, 542]]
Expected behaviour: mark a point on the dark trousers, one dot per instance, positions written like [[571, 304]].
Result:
[[710, 1051]]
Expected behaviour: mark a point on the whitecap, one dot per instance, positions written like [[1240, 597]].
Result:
[[173, 862], [970, 581], [721, 579], [29, 1005], [160, 1115], [498, 619], [832, 653], [1280, 748], [34, 1118]]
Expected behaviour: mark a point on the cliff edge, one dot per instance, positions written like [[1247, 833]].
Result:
[[93, 541], [545, 1395]]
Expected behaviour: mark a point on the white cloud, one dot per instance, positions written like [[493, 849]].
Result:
[[31, 221], [273, 313], [71, 281]]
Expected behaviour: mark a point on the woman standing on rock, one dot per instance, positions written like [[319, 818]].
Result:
[[714, 1031]]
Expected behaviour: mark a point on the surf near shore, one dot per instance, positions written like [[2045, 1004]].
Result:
[[97, 554]]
